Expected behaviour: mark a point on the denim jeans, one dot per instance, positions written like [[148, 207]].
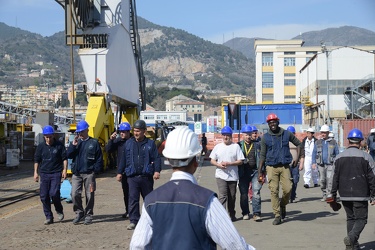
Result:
[[250, 175], [294, 172], [356, 218]]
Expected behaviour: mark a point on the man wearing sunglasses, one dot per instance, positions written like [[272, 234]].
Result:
[[50, 163]]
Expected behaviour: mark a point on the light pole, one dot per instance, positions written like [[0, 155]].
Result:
[[326, 51]]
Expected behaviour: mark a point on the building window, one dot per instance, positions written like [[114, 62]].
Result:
[[267, 79], [148, 117], [267, 97], [289, 61], [175, 117], [290, 97], [161, 117], [289, 74], [289, 82], [267, 59]]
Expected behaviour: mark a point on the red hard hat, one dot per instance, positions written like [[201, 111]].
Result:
[[271, 117]]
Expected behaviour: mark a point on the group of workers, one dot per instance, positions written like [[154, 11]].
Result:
[[198, 213]]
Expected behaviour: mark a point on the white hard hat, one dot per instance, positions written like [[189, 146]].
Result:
[[182, 144], [310, 130], [331, 135], [324, 128], [372, 130]]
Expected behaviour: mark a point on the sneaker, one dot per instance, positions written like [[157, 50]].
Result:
[[131, 226], [256, 217], [48, 221], [88, 220], [277, 221], [60, 216], [246, 217], [324, 198], [306, 185], [316, 185], [77, 219], [348, 243]]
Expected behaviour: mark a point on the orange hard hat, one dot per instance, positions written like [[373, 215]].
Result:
[[271, 117]]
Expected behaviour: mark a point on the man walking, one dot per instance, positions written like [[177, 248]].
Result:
[[226, 157], [324, 153], [142, 167], [87, 161], [117, 144], [50, 161], [275, 154], [180, 214], [308, 144], [296, 165], [354, 179], [248, 173]]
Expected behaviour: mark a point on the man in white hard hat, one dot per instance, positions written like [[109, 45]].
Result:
[[182, 210], [324, 153], [308, 146], [371, 143]]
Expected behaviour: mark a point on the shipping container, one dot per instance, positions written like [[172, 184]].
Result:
[[365, 125]]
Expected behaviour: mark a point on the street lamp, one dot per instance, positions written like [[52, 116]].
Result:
[[326, 51]]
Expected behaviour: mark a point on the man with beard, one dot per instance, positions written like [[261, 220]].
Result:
[[275, 154], [226, 157]]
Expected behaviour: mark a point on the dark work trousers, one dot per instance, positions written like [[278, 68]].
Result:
[[50, 190], [138, 185], [294, 172], [125, 191], [227, 195], [356, 218]]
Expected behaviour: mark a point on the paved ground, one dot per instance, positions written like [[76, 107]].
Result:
[[310, 224]]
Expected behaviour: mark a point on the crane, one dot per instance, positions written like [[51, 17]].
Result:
[[106, 34]]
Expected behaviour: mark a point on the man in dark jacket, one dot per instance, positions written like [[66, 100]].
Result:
[[117, 144], [50, 164], [354, 179], [87, 161], [275, 154], [142, 167]]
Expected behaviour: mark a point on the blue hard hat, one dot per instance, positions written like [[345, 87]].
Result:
[[254, 128], [48, 130], [226, 130], [124, 126], [291, 129], [246, 129], [82, 125], [355, 134]]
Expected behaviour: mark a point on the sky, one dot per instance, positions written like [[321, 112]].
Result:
[[215, 20]]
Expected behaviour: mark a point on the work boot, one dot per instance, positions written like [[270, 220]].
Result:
[[348, 243], [277, 221], [283, 212], [306, 185], [48, 221], [60, 216], [88, 220], [77, 219]]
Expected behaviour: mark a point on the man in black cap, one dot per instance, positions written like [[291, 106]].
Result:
[[142, 167]]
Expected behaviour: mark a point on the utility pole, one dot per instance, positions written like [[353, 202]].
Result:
[[326, 51]]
